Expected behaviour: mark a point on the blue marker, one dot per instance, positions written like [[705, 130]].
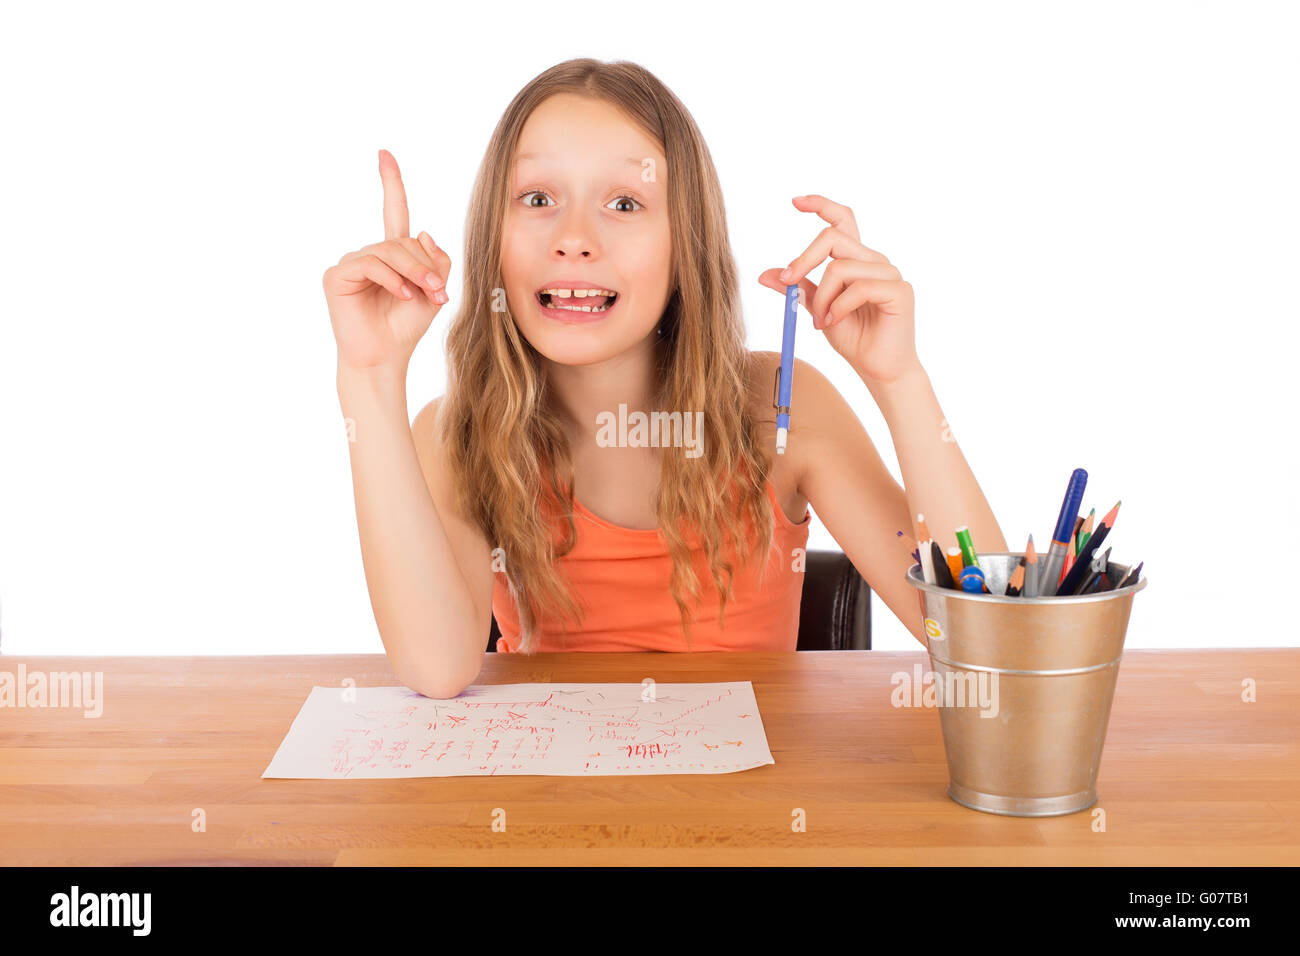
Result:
[[972, 579], [781, 398]]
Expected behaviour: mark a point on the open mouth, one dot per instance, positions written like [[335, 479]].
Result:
[[576, 303]]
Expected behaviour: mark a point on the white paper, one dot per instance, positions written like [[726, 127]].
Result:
[[524, 729]]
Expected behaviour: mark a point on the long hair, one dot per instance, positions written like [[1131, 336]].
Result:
[[507, 448]]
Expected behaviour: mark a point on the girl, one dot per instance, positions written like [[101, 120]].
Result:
[[599, 279]]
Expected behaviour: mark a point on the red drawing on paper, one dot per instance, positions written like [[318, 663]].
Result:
[[526, 728]]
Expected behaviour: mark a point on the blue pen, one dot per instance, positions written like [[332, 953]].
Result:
[[1048, 577], [781, 387]]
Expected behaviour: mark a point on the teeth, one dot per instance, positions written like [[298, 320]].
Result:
[[582, 308], [577, 293], [557, 294]]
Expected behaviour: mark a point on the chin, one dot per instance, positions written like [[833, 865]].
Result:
[[564, 349]]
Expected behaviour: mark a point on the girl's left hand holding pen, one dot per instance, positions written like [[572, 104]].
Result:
[[863, 304]]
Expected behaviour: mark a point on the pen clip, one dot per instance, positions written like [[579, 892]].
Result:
[[776, 395]]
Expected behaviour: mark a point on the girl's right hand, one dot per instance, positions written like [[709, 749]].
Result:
[[383, 297]]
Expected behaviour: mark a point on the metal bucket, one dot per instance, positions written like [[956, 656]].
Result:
[[1024, 687]]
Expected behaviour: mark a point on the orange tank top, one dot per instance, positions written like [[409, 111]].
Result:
[[620, 578]]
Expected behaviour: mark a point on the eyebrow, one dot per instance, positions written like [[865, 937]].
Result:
[[627, 160]]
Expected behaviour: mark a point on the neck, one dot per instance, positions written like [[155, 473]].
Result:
[[582, 392]]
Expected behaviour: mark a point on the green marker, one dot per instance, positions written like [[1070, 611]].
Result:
[[968, 556]]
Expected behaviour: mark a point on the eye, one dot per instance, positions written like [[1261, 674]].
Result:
[[628, 199], [532, 192], [538, 192]]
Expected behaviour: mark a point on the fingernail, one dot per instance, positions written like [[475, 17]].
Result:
[[406, 292], [785, 275], [432, 281], [440, 297]]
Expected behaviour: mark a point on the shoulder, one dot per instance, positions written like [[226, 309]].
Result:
[[429, 412], [821, 419], [427, 431], [816, 405]]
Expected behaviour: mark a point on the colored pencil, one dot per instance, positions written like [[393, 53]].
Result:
[[1072, 579], [941, 573], [1016, 582], [1086, 531], [1030, 588], [927, 563], [1070, 554], [1132, 577]]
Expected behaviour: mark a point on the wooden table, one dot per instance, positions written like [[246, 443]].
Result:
[[1190, 774]]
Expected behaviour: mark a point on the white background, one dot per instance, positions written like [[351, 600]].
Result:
[[1096, 205]]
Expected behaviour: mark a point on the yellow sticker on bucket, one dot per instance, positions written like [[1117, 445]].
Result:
[[933, 630]]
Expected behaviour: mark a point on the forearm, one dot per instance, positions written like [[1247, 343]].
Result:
[[421, 602], [936, 478]]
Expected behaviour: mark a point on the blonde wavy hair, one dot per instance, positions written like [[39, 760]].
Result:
[[508, 450]]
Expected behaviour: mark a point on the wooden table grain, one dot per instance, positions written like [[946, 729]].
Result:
[[1191, 774]]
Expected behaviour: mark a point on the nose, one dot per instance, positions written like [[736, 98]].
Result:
[[576, 236]]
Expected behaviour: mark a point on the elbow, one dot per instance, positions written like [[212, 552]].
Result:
[[440, 683], [438, 686]]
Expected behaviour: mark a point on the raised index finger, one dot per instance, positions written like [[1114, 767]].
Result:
[[397, 221], [839, 216], [830, 243]]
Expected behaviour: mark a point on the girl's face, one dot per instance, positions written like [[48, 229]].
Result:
[[587, 210]]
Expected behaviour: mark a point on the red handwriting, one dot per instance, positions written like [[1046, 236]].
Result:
[[508, 736]]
